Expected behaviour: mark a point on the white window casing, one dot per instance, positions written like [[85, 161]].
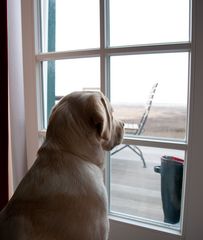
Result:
[[192, 205]]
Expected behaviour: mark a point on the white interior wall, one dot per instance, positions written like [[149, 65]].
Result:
[[18, 165]]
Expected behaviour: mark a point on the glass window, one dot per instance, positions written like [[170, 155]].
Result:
[[132, 79], [143, 192], [135, 22], [68, 22], [62, 77], [138, 54]]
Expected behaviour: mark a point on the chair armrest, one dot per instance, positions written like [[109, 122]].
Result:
[[131, 128]]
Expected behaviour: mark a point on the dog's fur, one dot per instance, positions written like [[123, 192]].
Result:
[[63, 195]]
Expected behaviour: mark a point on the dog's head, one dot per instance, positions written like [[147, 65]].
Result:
[[82, 117]]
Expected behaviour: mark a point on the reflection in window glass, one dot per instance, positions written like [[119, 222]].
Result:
[[152, 192], [144, 22], [132, 78], [62, 77], [75, 24]]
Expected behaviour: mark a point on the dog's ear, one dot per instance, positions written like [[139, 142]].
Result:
[[101, 116], [57, 123]]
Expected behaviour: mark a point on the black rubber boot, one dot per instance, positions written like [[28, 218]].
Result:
[[171, 171]]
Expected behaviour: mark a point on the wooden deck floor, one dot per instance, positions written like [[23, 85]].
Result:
[[136, 190]]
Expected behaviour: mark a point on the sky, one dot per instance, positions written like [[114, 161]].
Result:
[[132, 22]]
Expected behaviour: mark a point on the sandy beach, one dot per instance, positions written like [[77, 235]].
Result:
[[163, 121]]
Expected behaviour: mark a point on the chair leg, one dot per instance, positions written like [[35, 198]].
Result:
[[137, 150], [118, 150]]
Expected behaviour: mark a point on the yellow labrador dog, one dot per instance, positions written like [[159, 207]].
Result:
[[63, 195]]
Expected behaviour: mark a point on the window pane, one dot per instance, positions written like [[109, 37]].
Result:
[[132, 78], [151, 193], [62, 77], [148, 21], [73, 24]]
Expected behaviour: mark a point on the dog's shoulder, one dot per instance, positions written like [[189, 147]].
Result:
[[83, 175], [64, 173]]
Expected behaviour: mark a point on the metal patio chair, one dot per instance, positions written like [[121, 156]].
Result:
[[138, 129]]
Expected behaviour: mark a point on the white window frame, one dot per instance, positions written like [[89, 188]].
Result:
[[122, 228]]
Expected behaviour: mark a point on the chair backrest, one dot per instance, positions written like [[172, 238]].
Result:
[[147, 110]]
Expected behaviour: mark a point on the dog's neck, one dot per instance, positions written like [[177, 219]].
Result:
[[89, 150]]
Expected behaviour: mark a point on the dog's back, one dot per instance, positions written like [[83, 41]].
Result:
[[69, 202]]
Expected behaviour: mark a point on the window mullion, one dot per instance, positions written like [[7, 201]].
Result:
[[67, 55], [148, 49], [103, 43], [158, 143]]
